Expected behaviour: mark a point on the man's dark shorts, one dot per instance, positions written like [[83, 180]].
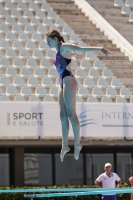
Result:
[[108, 197]]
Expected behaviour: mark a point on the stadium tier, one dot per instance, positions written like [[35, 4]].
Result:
[[27, 72]]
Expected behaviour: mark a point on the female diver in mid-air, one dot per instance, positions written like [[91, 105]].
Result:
[[68, 87]]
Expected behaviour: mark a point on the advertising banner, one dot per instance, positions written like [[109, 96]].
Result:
[[29, 120]]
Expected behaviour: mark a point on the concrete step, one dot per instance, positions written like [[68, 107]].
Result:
[[124, 27], [113, 57], [85, 36], [123, 73], [95, 43], [108, 11], [107, 14], [128, 35], [64, 6], [101, 42], [60, 1], [119, 63], [103, 3], [96, 37], [124, 33], [91, 35], [86, 25], [116, 50], [118, 23], [82, 21], [102, 8], [70, 16], [116, 54], [121, 18], [74, 17], [89, 32], [116, 66], [127, 81], [67, 12]]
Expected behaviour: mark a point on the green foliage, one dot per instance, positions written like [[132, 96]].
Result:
[[20, 196]]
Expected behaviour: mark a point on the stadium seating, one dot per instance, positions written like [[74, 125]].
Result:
[[106, 100], [125, 10], [5, 81], [34, 98], [18, 63], [89, 82], [24, 72], [85, 64], [4, 98], [4, 62], [49, 99], [4, 29], [1, 91], [118, 3], [131, 17], [11, 72], [33, 82], [111, 92], [47, 82], [11, 91], [29, 29], [102, 83], [131, 100], [116, 83], [79, 99], [19, 98], [80, 73], [120, 100], [26, 62], [41, 91], [83, 92], [119, 13], [97, 92], [40, 73], [19, 81], [92, 99], [94, 73], [5, 45], [125, 92], [26, 91], [53, 92], [129, 3], [98, 64], [17, 45]]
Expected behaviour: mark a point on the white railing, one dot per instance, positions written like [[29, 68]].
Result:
[[104, 26]]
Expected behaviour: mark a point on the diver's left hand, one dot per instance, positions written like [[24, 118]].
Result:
[[106, 52]]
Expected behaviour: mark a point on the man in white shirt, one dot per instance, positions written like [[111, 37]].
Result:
[[131, 183], [108, 180]]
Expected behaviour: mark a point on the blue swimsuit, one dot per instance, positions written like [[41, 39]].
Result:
[[61, 63]]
